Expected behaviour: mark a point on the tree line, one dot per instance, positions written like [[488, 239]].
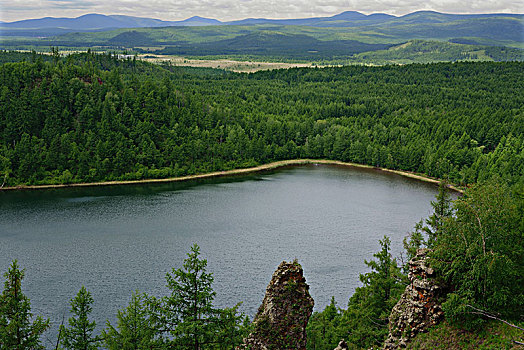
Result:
[[184, 319], [91, 117]]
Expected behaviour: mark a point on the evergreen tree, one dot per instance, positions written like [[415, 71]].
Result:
[[230, 331], [79, 334], [186, 318], [413, 241], [364, 323], [323, 331], [426, 235], [366, 318], [17, 332], [133, 330], [480, 253], [441, 211]]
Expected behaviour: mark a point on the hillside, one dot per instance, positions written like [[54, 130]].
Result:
[[90, 22], [89, 118], [419, 51], [334, 39]]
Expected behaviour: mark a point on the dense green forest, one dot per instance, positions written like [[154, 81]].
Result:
[[90, 117], [421, 51]]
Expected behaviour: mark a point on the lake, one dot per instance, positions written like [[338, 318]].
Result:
[[118, 239]]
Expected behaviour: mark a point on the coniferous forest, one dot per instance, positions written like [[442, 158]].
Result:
[[94, 117]]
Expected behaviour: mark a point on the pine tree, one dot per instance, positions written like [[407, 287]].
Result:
[[323, 332], [187, 317], [426, 235], [441, 211], [133, 330], [368, 309], [79, 334], [17, 332]]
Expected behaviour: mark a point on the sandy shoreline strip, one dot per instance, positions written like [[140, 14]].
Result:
[[256, 169]]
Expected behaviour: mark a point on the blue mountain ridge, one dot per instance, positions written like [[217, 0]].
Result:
[[90, 22]]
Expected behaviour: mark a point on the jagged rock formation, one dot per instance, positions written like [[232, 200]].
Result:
[[282, 318], [418, 307]]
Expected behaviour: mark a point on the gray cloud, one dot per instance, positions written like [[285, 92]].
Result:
[[11, 10]]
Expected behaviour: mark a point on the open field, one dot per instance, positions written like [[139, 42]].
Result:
[[226, 64]]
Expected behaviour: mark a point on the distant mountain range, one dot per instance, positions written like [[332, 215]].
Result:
[[379, 37], [97, 22]]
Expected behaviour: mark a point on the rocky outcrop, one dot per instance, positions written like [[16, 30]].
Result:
[[342, 345], [418, 307], [281, 320]]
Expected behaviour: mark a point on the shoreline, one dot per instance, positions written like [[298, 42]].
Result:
[[260, 168]]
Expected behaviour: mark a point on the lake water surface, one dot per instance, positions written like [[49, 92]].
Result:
[[115, 240]]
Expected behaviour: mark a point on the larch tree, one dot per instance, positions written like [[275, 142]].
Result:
[[133, 330], [79, 334], [186, 318], [17, 330]]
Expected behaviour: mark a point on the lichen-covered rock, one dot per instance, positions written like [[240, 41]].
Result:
[[281, 320], [342, 345], [418, 307]]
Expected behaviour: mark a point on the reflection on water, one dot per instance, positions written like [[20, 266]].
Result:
[[118, 239]]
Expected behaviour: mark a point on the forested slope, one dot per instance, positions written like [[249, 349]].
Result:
[[93, 117]]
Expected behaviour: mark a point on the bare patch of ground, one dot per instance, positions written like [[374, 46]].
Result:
[[226, 64]]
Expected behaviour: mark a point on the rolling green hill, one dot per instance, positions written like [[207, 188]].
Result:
[[275, 44], [419, 51], [350, 37]]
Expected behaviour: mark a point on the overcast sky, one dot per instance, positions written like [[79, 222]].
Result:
[[13, 10]]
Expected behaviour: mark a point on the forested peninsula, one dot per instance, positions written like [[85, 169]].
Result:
[[94, 117]]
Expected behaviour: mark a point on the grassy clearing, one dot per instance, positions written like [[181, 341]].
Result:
[[226, 64], [494, 335]]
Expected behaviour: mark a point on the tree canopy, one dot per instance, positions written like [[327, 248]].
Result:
[[18, 329], [91, 117]]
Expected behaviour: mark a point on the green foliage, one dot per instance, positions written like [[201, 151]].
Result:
[[133, 330], [480, 252], [426, 235], [186, 318], [232, 328], [79, 334], [421, 51], [364, 323], [323, 329], [264, 43], [441, 212], [413, 241], [17, 329], [445, 336], [370, 306], [92, 118]]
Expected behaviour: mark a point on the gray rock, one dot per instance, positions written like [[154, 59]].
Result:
[[342, 345], [281, 320], [418, 307]]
